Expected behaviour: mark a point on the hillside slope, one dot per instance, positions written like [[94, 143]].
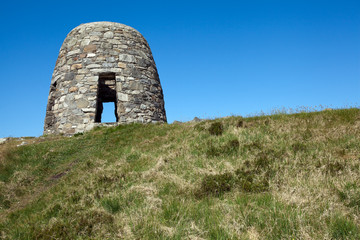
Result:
[[271, 177]]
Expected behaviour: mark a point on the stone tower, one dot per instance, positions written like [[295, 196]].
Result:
[[103, 62]]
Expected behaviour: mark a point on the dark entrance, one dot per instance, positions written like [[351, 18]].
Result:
[[106, 93]]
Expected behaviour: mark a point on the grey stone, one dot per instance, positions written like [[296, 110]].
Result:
[[123, 97], [196, 119], [95, 34], [79, 77], [21, 144], [72, 42], [73, 52], [110, 59], [106, 45], [88, 110], [109, 34], [3, 140], [69, 76], [108, 65], [94, 38], [85, 42], [136, 86], [114, 41], [83, 90], [92, 79], [93, 66], [127, 58]]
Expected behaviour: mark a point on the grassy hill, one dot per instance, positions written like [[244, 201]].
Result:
[[270, 177]]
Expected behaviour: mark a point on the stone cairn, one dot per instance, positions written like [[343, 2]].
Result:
[[103, 62]]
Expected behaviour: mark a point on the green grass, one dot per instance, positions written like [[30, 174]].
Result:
[[344, 228], [283, 176]]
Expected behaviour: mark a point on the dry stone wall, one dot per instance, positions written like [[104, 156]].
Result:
[[103, 62]]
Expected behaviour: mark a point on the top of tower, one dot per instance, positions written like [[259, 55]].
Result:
[[104, 24]]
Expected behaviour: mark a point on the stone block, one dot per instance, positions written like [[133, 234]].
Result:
[[70, 61], [94, 38], [109, 34], [69, 76], [95, 33], [79, 96], [120, 78], [136, 86], [73, 89], [123, 97], [82, 103], [73, 52], [106, 45], [93, 66], [121, 65], [83, 90], [108, 65], [90, 48], [116, 70], [110, 59], [85, 42], [71, 42], [79, 77], [114, 41], [82, 71], [88, 110], [118, 86], [127, 58], [76, 66], [92, 79]]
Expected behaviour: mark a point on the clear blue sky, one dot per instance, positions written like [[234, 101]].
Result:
[[215, 58]]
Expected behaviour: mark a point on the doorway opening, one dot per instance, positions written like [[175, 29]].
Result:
[[108, 112], [106, 94]]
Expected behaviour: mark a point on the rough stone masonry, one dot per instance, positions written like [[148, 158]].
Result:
[[103, 62]]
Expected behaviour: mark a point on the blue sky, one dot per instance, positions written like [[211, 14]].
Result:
[[215, 58]]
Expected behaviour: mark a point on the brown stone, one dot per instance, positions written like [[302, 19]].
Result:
[[82, 55], [82, 103], [120, 109], [73, 89], [121, 65], [76, 66], [100, 58], [79, 77], [90, 48], [71, 131]]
